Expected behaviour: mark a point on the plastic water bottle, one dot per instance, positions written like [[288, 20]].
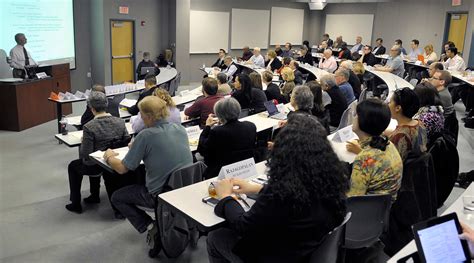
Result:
[[63, 123]]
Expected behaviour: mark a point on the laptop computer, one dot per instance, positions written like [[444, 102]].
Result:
[[273, 111], [146, 70]]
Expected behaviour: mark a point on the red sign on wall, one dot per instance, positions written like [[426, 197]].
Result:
[[123, 10], [456, 2]]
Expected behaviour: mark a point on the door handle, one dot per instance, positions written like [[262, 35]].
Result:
[[126, 56]]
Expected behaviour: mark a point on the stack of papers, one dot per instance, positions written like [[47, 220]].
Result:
[[120, 88], [128, 102]]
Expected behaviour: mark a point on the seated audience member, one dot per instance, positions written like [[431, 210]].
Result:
[[223, 88], [342, 78], [429, 55], [368, 57], [287, 52], [247, 54], [163, 147], [328, 62], [220, 60], [219, 144], [359, 70], [257, 58], [377, 168], [440, 80], [298, 75], [338, 43], [88, 115], [248, 97], [231, 68], [146, 63], [344, 53], [394, 64], [415, 50], [354, 80], [150, 86], [273, 91], [256, 80], [454, 61], [324, 45], [328, 40], [286, 61], [431, 112], [294, 211], [443, 56], [174, 116], [289, 82], [338, 101], [98, 134], [205, 105], [357, 46], [399, 43], [306, 56], [278, 50], [410, 134], [273, 63], [435, 67], [379, 49], [318, 109], [306, 44]]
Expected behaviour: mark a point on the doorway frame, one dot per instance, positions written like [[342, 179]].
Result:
[[447, 24], [134, 47]]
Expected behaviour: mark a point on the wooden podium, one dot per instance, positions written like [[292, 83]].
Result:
[[25, 104]]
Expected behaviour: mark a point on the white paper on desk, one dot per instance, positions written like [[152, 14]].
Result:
[[121, 153], [184, 93], [418, 62], [87, 93], [128, 102], [344, 134], [243, 169], [281, 108], [193, 132]]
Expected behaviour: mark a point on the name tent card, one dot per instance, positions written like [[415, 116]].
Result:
[[242, 170], [343, 135]]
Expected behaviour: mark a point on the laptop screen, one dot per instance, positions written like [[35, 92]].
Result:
[[271, 108], [146, 70]]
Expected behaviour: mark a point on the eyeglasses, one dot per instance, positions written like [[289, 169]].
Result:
[[435, 78]]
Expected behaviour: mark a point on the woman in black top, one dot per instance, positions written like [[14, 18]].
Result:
[[248, 97], [303, 200], [318, 109]]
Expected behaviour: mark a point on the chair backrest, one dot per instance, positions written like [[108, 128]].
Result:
[[347, 115], [414, 82], [328, 250], [446, 165], [113, 106], [174, 84], [369, 219], [363, 95]]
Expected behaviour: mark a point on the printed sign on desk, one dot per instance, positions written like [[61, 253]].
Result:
[[243, 169]]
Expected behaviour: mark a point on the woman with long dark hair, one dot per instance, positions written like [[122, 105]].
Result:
[[247, 96], [303, 200], [377, 168]]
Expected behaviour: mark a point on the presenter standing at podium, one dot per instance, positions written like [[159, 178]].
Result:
[[20, 57]]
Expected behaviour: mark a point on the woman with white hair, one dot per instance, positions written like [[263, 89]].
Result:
[[98, 134], [225, 139]]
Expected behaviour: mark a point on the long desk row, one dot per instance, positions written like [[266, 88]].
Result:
[[166, 75]]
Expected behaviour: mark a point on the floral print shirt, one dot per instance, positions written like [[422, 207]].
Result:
[[376, 172], [432, 118], [407, 138]]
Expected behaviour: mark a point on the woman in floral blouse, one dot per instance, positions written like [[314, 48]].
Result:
[[377, 168], [431, 111], [410, 134]]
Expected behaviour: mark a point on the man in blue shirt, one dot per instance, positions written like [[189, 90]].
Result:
[[163, 147], [394, 63], [415, 50], [342, 78]]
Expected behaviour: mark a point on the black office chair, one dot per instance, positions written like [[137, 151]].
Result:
[[329, 251], [369, 220]]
